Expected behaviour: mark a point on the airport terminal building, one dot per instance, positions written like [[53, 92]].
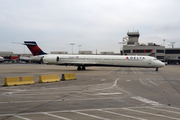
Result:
[[131, 46]]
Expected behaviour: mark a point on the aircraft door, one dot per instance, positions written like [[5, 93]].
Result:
[[57, 59]]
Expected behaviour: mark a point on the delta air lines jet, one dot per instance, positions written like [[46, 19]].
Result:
[[83, 61]]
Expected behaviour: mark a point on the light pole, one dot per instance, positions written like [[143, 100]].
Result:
[[24, 50], [79, 47], [163, 42], [120, 46], [72, 47]]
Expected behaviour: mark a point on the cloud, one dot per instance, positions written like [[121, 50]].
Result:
[[94, 24]]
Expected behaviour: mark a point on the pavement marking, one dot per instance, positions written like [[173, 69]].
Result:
[[115, 83], [113, 70], [11, 93], [174, 108], [163, 110], [143, 82], [7, 115], [151, 113], [154, 103], [138, 71], [149, 71], [50, 113], [21, 117], [117, 93], [103, 79], [123, 115], [61, 99], [91, 115], [123, 70], [133, 71], [56, 116], [28, 101], [152, 82], [31, 113]]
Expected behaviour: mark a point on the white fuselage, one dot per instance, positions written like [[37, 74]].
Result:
[[101, 60]]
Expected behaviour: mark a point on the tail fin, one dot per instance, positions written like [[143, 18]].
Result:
[[34, 48]]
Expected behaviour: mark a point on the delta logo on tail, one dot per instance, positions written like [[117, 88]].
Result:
[[33, 47]]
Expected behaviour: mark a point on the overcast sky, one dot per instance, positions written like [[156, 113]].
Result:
[[94, 24]]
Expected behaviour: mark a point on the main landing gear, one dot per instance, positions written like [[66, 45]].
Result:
[[81, 68], [156, 69]]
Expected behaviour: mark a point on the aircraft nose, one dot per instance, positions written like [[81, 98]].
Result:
[[161, 64]]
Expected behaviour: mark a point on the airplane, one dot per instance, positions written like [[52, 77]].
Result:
[[1, 59], [83, 61], [10, 58], [23, 59]]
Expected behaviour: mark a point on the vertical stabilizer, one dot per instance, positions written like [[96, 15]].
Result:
[[34, 48]]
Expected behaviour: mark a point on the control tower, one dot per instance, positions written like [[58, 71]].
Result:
[[132, 38]]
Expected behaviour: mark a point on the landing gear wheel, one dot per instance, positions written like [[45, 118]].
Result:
[[156, 69], [79, 68], [83, 68]]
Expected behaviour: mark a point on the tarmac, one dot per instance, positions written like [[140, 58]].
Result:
[[98, 93]]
